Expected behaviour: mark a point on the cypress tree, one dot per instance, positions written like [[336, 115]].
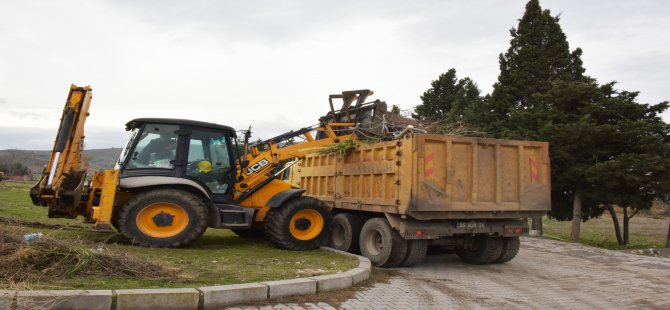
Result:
[[539, 92], [448, 98], [538, 57], [605, 147]]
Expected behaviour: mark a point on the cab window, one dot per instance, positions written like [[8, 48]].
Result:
[[209, 160]]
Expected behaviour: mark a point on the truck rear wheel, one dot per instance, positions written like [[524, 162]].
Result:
[[345, 232], [510, 248], [381, 243], [163, 218], [484, 250], [416, 252], [300, 224]]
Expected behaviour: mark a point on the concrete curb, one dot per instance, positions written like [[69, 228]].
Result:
[[64, 299], [207, 297]]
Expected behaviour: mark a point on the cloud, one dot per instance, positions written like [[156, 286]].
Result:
[[273, 63]]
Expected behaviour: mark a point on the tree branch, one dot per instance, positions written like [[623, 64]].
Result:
[[633, 214]]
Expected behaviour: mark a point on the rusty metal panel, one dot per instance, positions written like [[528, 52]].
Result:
[[366, 177], [428, 176], [317, 176], [509, 155], [474, 174]]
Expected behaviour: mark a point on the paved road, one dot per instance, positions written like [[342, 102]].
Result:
[[545, 275]]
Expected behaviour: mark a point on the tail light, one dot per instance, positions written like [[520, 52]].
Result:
[[515, 230]]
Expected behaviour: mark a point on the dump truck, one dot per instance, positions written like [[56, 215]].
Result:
[[392, 200], [175, 178]]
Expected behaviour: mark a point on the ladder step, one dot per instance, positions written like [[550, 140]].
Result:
[[233, 216], [235, 225]]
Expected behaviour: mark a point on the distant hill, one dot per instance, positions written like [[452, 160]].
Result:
[[97, 159]]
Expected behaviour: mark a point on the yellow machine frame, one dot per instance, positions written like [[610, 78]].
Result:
[[62, 189]]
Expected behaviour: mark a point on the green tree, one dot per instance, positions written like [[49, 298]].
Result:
[[633, 168], [538, 56], [14, 169], [449, 98], [572, 146], [395, 109], [538, 95], [606, 149]]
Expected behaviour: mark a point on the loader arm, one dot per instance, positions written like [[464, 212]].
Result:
[[261, 163], [263, 157], [62, 186]]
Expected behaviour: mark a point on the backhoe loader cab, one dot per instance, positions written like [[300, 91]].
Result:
[[169, 183], [181, 153]]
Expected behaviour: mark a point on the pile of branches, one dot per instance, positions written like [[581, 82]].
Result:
[[385, 126], [50, 258], [389, 126], [442, 127]]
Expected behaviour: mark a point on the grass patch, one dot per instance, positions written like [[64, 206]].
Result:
[[645, 232], [219, 257]]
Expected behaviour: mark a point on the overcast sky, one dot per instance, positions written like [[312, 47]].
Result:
[[272, 64]]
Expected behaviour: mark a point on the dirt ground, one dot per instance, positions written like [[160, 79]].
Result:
[[546, 274]]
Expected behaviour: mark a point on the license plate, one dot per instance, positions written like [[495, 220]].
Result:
[[470, 225]]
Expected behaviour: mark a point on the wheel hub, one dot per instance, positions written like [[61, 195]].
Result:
[[306, 224], [302, 223], [163, 219]]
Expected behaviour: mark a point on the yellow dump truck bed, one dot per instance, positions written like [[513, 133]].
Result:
[[434, 177]]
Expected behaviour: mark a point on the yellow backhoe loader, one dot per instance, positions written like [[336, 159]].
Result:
[[175, 178]]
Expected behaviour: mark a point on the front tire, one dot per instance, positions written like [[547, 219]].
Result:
[[300, 224], [165, 218]]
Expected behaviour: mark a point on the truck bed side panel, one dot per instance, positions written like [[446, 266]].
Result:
[[433, 177], [469, 174]]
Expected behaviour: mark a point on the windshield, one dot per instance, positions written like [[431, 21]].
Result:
[[126, 149], [155, 147]]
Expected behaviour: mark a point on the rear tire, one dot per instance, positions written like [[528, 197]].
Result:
[[300, 224], [382, 244], [165, 218], [485, 250], [346, 232], [509, 249], [416, 252]]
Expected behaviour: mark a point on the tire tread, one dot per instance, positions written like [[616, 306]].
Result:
[[277, 222], [353, 223], [487, 252], [194, 231], [416, 252], [390, 257], [510, 249]]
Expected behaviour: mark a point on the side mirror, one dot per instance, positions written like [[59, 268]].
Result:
[[244, 163]]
